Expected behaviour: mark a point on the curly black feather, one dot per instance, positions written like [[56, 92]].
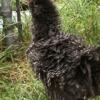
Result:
[[69, 69], [45, 18]]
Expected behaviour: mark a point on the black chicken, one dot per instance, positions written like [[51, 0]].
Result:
[[68, 68]]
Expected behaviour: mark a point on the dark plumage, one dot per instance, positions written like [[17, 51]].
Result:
[[69, 69]]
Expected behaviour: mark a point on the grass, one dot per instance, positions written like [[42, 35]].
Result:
[[17, 81], [81, 17]]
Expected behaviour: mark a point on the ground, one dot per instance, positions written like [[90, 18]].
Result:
[[17, 82]]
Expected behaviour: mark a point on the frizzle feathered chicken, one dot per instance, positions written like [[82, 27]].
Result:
[[69, 69]]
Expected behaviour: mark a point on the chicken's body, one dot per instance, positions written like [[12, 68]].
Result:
[[68, 68]]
